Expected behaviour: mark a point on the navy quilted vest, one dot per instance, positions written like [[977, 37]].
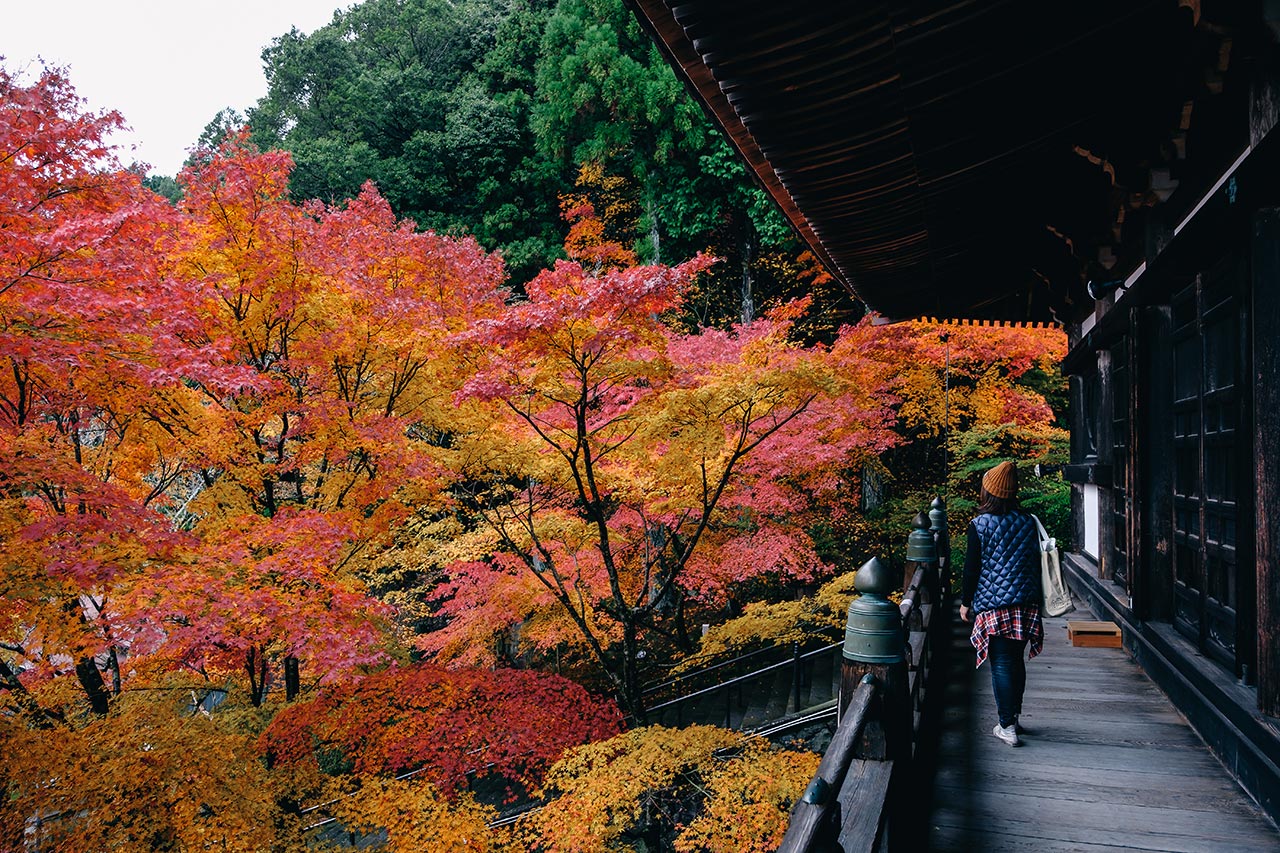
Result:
[[1010, 561]]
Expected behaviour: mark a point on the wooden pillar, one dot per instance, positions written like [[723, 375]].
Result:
[[1131, 482], [891, 739], [1105, 448], [1152, 567], [1076, 415], [1266, 457], [941, 545]]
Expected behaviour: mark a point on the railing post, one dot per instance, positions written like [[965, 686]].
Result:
[[874, 644], [818, 815], [795, 675], [942, 543], [742, 701], [922, 551]]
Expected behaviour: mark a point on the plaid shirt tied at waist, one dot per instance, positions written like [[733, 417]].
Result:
[[1017, 622]]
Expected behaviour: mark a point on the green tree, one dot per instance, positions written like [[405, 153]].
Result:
[[429, 99], [164, 185], [607, 97], [476, 117]]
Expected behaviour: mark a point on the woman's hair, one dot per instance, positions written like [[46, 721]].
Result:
[[990, 504]]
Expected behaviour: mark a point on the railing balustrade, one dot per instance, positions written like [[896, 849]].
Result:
[[859, 800], [702, 673]]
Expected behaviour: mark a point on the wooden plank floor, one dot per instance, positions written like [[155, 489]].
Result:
[[1107, 764]]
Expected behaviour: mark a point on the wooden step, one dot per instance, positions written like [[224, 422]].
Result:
[[1104, 635]]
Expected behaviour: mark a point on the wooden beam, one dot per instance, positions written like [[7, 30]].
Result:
[[1134, 446], [1105, 449], [678, 49], [1266, 461]]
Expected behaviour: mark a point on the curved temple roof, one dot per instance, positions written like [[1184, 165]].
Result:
[[947, 159]]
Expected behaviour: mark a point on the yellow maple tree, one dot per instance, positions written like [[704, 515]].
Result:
[[414, 816], [681, 786]]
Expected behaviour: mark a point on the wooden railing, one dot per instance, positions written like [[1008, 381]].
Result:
[[726, 702], [744, 664], [825, 801], [860, 798]]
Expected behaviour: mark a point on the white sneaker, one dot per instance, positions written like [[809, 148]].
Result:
[[1009, 735]]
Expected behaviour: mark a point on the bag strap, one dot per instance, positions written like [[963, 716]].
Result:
[[1047, 542]]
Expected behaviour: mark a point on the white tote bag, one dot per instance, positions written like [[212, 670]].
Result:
[[1057, 598]]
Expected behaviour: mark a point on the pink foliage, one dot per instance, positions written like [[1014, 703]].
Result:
[[772, 550], [269, 581]]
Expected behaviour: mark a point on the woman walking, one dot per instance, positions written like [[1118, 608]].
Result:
[[1002, 595]]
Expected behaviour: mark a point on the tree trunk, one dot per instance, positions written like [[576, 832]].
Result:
[[90, 677], [113, 664], [291, 680], [651, 210], [747, 251], [39, 717], [95, 688], [631, 693], [255, 663], [682, 630]]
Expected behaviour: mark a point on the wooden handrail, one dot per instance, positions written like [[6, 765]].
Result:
[[911, 597], [816, 805]]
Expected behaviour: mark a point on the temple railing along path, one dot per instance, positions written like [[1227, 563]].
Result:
[[754, 692], [860, 799]]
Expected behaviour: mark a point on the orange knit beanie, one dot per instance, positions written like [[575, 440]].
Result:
[[1002, 480]]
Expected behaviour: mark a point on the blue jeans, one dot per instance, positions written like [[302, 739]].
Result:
[[1008, 676]]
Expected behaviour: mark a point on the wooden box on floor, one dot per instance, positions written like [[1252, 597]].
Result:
[[1104, 635]]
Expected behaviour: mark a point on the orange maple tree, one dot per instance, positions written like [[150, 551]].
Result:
[[88, 339], [985, 369], [208, 413], [338, 314], [625, 466]]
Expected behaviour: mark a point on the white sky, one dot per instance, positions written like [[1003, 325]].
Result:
[[168, 66]]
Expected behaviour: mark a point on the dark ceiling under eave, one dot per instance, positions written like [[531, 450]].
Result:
[[942, 158]]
